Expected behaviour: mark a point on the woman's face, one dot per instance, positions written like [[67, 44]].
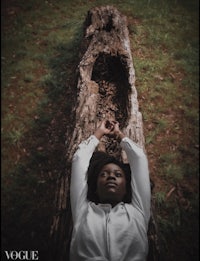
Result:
[[111, 184]]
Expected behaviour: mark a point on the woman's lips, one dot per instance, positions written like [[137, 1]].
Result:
[[111, 184]]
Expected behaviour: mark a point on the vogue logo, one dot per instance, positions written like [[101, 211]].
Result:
[[22, 255]]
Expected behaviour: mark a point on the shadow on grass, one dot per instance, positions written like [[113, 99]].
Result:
[[28, 192]]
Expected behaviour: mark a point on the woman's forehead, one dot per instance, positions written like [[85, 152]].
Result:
[[112, 166]]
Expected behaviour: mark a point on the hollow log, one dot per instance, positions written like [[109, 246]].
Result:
[[106, 89]]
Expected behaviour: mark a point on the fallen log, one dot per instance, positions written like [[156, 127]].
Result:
[[106, 89]]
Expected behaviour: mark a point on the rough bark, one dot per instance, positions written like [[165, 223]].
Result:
[[106, 88]]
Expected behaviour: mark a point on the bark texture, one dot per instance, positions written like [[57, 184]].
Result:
[[106, 89], [106, 83]]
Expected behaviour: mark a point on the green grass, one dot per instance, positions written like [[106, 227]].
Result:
[[160, 198], [40, 52]]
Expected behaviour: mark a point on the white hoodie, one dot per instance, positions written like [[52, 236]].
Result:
[[103, 233]]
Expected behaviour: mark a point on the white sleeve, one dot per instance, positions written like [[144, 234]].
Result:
[[140, 182], [80, 163]]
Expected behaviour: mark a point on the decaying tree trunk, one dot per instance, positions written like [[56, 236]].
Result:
[[106, 89]]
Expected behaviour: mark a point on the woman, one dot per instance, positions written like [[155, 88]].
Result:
[[111, 223]]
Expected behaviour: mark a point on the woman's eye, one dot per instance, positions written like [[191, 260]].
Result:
[[118, 174], [103, 174]]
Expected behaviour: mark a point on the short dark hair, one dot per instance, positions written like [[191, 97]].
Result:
[[98, 160]]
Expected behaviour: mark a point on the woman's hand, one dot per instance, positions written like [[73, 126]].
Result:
[[105, 128], [116, 132], [109, 128]]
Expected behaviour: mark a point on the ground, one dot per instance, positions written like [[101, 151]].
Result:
[[39, 61]]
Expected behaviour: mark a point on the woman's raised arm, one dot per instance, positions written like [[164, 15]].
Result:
[[140, 181], [80, 164]]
